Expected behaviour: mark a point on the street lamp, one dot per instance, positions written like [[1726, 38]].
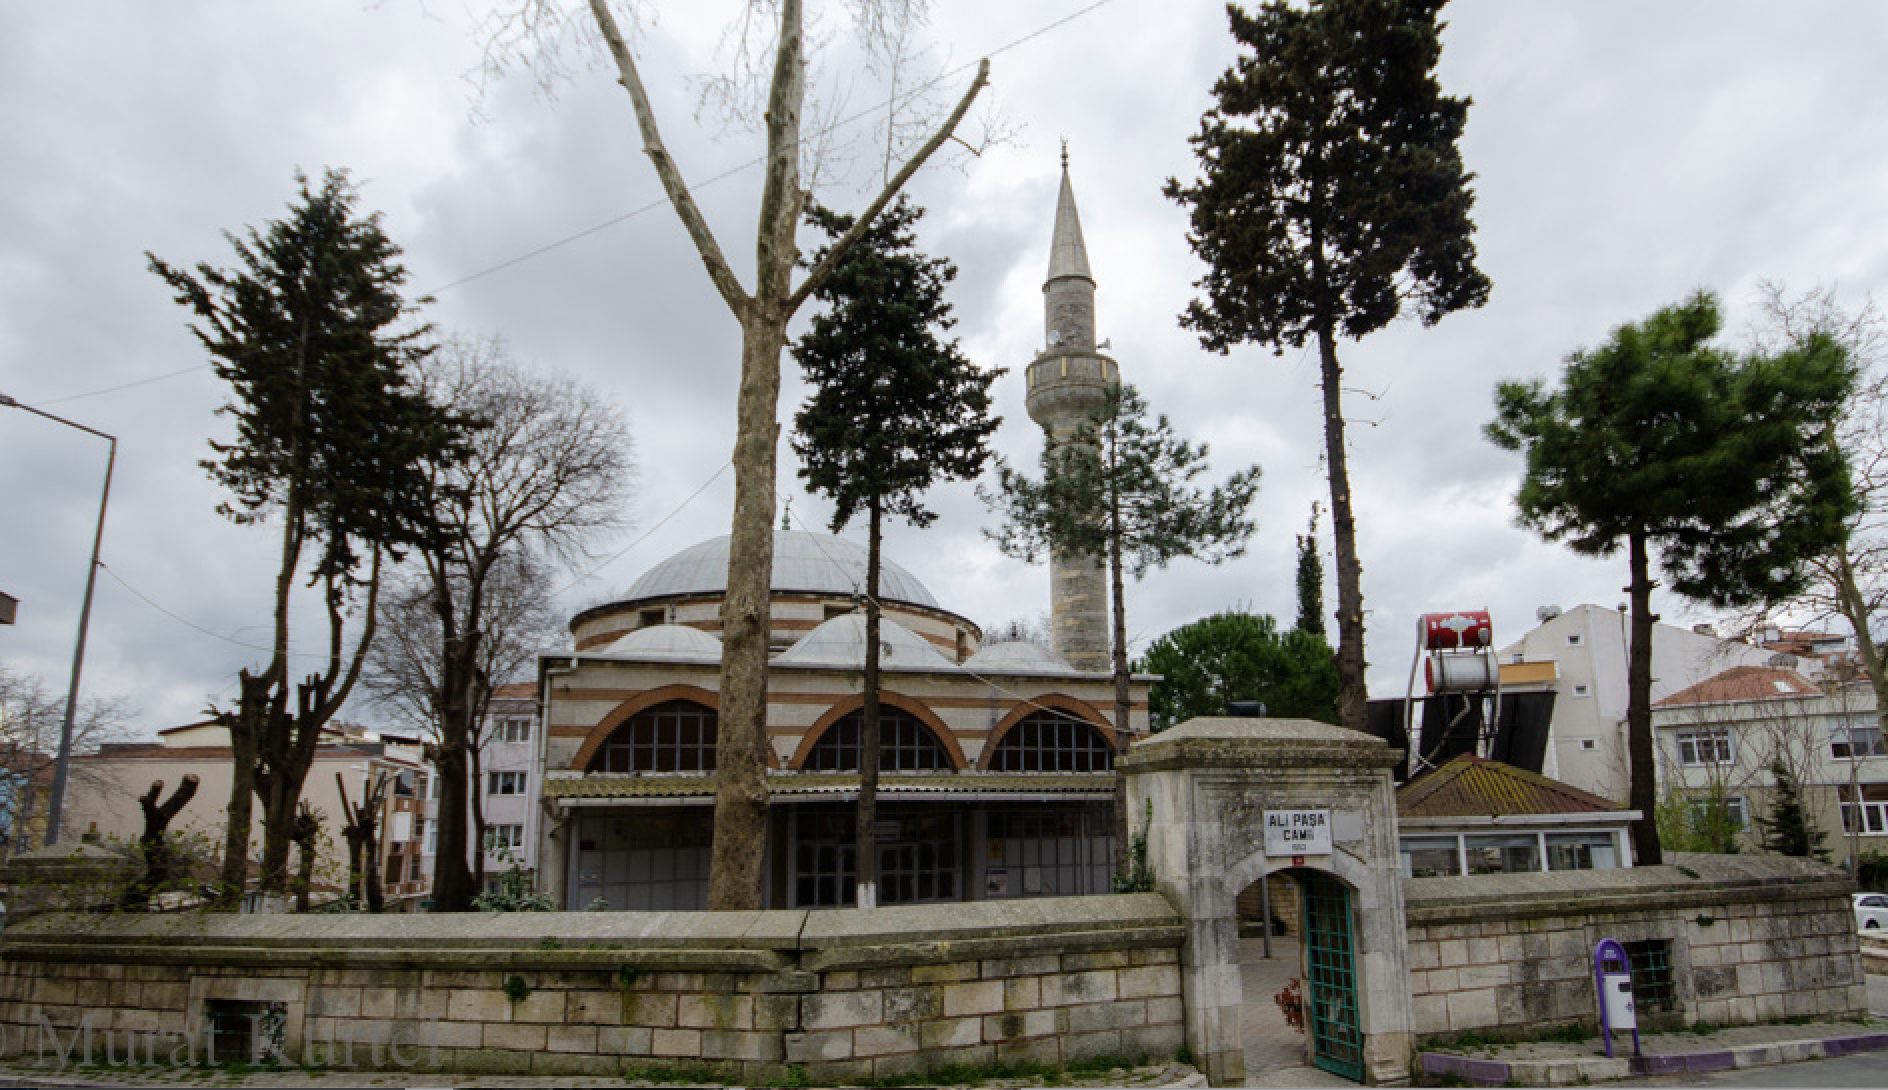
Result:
[[62, 765]]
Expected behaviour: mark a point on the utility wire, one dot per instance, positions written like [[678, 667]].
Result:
[[187, 623], [663, 202]]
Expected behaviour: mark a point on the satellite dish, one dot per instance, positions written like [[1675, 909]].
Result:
[[1546, 613]]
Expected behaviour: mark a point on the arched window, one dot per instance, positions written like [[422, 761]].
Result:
[[1052, 741], [678, 736], [905, 745]]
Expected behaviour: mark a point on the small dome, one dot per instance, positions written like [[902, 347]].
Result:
[[1017, 657], [820, 563], [841, 642], [667, 641]]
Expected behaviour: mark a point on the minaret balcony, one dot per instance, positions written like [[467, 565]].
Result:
[[1079, 368]]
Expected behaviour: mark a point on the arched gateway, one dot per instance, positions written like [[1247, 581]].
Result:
[[1215, 786]]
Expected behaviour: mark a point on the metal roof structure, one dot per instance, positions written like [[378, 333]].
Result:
[[658, 789], [1469, 786], [808, 562]]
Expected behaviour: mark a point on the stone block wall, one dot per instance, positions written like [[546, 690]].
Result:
[[1749, 938], [737, 995]]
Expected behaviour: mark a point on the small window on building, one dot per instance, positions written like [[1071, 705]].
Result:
[[1711, 746], [413, 870], [505, 783], [1589, 744], [652, 617], [432, 838], [1868, 817], [1573, 639], [512, 730], [1502, 854], [1651, 965], [1430, 857], [503, 836], [1581, 851], [1582, 689], [1856, 739]]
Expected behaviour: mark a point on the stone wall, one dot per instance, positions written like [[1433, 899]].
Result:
[[846, 994], [1749, 939]]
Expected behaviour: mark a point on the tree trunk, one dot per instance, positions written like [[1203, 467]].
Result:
[[1352, 695], [308, 842], [865, 853], [1642, 793], [475, 775], [740, 836], [160, 863], [245, 727], [1118, 591], [452, 876]]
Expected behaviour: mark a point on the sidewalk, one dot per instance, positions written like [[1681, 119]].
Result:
[[1675, 1053]]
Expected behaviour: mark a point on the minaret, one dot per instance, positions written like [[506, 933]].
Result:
[[1068, 384]]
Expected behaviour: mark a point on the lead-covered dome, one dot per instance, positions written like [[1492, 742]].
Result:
[[807, 562]]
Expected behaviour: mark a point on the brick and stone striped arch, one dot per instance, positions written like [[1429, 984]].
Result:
[[1075, 708], [641, 702], [847, 705]]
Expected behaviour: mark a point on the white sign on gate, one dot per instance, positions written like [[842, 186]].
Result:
[[1297, 832]]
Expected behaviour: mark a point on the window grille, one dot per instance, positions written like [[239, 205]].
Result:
[[905, 745], [675, 737], [1052, 741], [1650, 963]]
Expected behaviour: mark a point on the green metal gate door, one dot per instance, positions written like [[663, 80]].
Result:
[[1331, 994]]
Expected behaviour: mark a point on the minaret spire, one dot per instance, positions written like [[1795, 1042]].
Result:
[[1068, 384]]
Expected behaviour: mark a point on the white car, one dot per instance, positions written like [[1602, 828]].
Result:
[[1871, 911]]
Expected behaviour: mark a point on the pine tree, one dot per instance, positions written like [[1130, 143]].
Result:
[[1310, 580], [894, 410], [1726, 464], [1788, 830], [311, 333], [1123, 487], [1333, 196]]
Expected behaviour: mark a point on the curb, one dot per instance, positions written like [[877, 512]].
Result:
[[1598, 1068]]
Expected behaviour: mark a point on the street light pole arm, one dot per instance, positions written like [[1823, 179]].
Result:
[[61, 768]]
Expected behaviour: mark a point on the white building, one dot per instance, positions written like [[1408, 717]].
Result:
[[1587, 647], [507, 786], [1724, 733]]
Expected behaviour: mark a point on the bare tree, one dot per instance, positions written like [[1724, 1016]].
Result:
[[360, 828], [1851, 580], [547, 471], [735, 876], [30, 718], [404, 667]]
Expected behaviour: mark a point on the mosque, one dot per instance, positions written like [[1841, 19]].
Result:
[[997, 759]]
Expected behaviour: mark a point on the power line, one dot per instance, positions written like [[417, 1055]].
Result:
[[614, 557], [187, 623], [663, 202]]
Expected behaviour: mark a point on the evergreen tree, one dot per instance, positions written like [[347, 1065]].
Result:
[[1310, 580], [1333, 195], [1239, 656], [311, 333], [1123, 487], [1788, 830], [894, 410], [1726, 464]]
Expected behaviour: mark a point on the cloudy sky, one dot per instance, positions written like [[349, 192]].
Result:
[[1626, 154]]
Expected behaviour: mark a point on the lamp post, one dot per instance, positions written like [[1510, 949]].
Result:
[[62, 764]]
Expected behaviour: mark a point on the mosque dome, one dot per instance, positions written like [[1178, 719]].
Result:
[[1017, 657], [668, 641], [841, 642], [804, 562]]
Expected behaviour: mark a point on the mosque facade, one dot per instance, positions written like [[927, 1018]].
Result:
[[997, 760]]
